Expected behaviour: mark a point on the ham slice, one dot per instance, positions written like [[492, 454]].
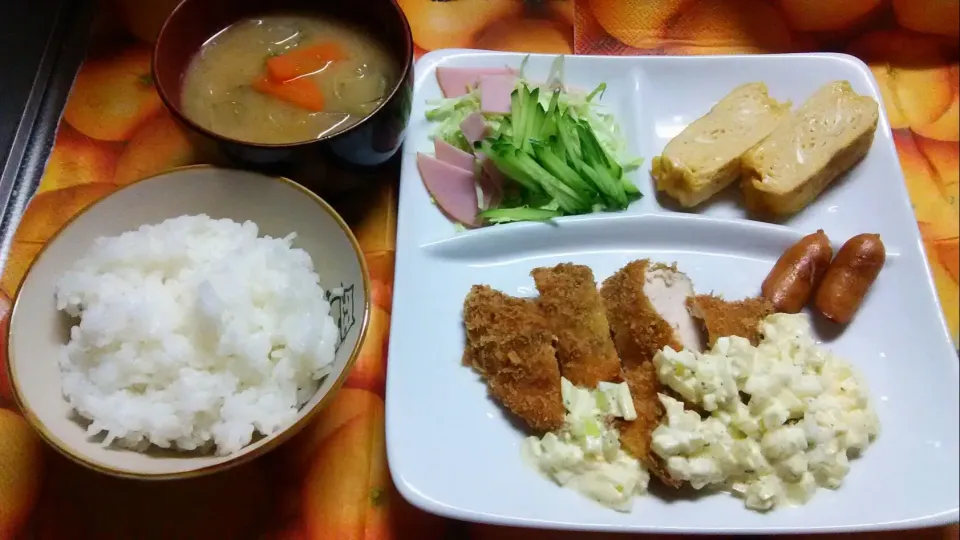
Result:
[[495, 92], [474, 127], [453, 189], [448, 153], [455, 82]]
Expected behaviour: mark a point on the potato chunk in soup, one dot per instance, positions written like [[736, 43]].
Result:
[[285, 79]]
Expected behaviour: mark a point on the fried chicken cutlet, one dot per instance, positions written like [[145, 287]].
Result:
[[723, 318], [571, 304], [511, 346], [636, 312]]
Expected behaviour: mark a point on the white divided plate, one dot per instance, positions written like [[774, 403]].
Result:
[[453, 450]]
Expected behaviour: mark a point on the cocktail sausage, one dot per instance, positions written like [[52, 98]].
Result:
[[794, 278], [849, 277]]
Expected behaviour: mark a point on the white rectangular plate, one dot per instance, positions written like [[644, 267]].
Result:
[[454, 451]]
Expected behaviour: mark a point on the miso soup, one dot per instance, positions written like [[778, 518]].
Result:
[[284, 79]]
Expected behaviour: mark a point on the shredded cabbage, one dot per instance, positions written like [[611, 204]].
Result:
[[587, 107], [450, 112]]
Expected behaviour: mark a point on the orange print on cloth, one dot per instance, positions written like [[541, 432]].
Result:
[[331, 480], [680, 27], [534, 26], [21, 472], [113, 95]]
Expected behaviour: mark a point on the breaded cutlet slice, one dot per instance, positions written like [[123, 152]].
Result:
[[571, 304], [510, 345], [639, 332], [636, 436], [723, 318]]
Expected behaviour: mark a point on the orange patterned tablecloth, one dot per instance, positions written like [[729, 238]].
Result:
[[331, 481]]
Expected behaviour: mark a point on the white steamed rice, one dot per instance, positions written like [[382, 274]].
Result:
[[192, 333]]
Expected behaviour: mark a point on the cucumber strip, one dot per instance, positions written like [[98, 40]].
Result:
[[539, 119], [562, 171], [518, 101], [615, 169], [540, 188], [611, 188], [596, 151], [566, 128], [504, 215], [554, 103], [589, 152], [549, 128], [611, 164], [588, 139], [569, 200], [618, 194], [588, 175], [556, 146], [530, 119], [502, 156]]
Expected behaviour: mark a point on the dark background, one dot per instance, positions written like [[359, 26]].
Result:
[[42, 43]]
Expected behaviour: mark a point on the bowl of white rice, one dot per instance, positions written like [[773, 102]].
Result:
[[187, 323]]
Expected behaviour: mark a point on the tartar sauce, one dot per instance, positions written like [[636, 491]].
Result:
[[585, 454], [783, 417]]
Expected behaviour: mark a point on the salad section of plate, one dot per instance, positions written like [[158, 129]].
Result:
[[477, 410]]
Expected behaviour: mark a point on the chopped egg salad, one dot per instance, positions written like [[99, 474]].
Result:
[[780, 419], [769, 423], [585, 454]]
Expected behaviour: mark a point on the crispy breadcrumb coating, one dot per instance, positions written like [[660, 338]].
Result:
[[636, 435], [639, 332], [723, 318], [571, 304], [510, 345]]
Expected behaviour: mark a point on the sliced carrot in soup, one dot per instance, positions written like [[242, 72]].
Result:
[[304, 60], [304, 93]]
